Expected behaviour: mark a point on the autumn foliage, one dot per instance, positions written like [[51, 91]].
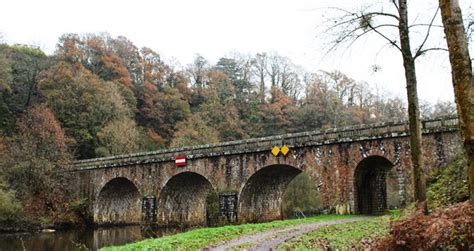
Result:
[[39, 155], [41, 134], [450, 228], [99, 95]]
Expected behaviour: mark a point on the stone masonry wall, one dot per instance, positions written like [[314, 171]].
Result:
[[330, 158]]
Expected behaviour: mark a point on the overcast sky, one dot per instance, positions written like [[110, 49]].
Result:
[[214, 28]]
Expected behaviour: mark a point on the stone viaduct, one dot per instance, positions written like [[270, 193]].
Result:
[[359, 169]]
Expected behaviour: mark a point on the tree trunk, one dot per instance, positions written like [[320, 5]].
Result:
[[262, 88], [413, 107], [463, 80]]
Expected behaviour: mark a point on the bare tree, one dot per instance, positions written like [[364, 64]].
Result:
[[283, 74], [198, 70], [463, 80], [260, 71], [353, 25]]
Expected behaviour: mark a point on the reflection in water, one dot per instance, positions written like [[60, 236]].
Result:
[[88, 239]]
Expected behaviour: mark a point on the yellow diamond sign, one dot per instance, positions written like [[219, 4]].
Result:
[[275, 150], [284, 150]]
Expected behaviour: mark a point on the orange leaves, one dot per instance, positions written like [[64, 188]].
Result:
[[116, 70], [69, 48], [96, 53], [39, 130], [446, 229]]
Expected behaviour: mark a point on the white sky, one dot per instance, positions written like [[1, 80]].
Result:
[[214, 28]]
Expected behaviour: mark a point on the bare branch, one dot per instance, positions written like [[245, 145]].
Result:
[[374, 13], [386, 25], [432, 25], [370, 30], [395, 4], [353, 36], [365, 32], [418, 52], [432, 49], [353, 18], [340, 9], [386, 38], [382, 14], [470, 28], [352, 25]]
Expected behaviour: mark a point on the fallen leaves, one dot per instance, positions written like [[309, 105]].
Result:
[[450, 228]]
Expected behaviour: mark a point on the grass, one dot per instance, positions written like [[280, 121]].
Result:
[[204, 237], [341, 236]]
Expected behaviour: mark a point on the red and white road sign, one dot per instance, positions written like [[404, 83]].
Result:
[[180, 160]]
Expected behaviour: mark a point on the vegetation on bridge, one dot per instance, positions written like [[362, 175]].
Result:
[[449, 185]]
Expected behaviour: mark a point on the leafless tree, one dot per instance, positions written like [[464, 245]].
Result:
[[391, 24]]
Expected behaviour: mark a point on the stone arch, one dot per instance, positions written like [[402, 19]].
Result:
[[118, 202], [370, 185], [182, 201], [261, 196]]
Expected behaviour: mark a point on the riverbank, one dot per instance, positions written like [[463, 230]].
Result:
[[204, 237], [30, 227], [90, 239]]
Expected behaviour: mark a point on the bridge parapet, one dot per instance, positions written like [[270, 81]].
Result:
[[311, 138]]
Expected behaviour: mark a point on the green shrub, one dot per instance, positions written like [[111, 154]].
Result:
[[10, 208], [212, 209], [80, 207], [45, 221], [449, 185]]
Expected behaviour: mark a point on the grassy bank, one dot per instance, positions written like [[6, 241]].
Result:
[[204, 237], [341, 236]]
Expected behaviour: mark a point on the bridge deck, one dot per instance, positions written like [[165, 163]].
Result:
[[312, 138]]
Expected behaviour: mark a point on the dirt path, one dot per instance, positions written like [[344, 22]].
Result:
[[270, 239]]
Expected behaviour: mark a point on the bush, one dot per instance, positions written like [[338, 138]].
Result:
[[449, 185], [80, 207], [447, 228], [10, 208]]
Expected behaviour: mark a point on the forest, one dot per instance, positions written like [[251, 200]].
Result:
[[99, 95]]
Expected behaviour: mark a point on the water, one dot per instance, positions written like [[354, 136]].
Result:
[[90, 239]]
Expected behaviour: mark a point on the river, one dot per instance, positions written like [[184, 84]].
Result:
[[87, 239]]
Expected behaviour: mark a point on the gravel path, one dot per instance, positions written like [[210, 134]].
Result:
[[270, 239]]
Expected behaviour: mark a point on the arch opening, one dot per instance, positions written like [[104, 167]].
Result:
[[182, 202], [261, 197], [301, 198], [371, 185], [118, 203]]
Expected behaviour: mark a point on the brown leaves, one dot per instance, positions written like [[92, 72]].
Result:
[[39, 153], [116, 70], [447, 228], [40, 132]]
